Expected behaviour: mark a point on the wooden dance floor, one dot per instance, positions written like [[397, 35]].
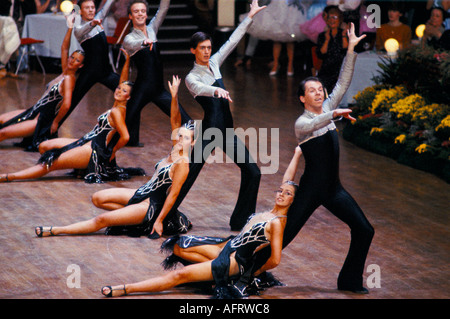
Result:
[[409, 209]]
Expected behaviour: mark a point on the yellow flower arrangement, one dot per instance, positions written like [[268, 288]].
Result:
[[445, 123], [408, 107], [376, 130], [386, 97], [422, 148], [367, 91], [400, 139]]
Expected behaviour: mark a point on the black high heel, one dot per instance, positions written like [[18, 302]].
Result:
[[42, 231], [110, 294]]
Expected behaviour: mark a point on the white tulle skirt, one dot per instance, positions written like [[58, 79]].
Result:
[[279, 22]]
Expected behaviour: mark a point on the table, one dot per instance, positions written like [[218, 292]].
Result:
[[51, 28], [366, 67]]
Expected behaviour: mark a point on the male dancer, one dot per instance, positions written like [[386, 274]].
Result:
[[141, 44], [320, 184], [205, 83], [97, 68]]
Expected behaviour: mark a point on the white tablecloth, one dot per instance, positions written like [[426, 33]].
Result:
[[51, 28], [366, 68]]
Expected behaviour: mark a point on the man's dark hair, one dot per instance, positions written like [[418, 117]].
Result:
[[136, 1], [199, 37], [301, 86], [80, 2]]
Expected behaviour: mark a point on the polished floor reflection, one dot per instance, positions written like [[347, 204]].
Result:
[[408, 208]]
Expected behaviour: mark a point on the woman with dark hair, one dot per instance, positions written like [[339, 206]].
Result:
[[435, 34], [144, 211], [394, 29], [220, 259], [94, 152], [41, 121]]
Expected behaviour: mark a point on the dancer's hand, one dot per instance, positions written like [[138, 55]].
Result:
[[255, 8], [221, 93], [70, 19], [353, 40], [97, 22], [343, 112], [125, 53], [174, 86], [157, 229], [148, 43]]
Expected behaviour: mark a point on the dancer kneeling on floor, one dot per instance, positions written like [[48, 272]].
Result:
[[144, 211], [219, 259]]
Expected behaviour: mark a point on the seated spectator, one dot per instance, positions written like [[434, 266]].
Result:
[[434, 29], [393, 29]]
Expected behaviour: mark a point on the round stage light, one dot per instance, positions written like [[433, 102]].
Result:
[[66, 6]]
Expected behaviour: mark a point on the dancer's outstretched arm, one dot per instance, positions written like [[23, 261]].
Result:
[[289, 175]]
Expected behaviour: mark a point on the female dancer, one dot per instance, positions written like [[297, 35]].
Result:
[[144, 211], [95, 151], [218, 259], [41, 121]]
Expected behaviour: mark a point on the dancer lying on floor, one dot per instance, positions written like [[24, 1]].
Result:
[[144, 211], [219, 259], [41, 121], [95, 151]]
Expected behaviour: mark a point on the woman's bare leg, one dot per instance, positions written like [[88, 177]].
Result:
[[191, 273], [198, 254], [54, 143], [77, 158], [113, 198], [23, 129], [276, 56], [290, 53], [129, 215], [9, 115]]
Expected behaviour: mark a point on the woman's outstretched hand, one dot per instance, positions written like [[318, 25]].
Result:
[[174, 86]]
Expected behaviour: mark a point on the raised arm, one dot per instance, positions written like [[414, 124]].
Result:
[[346, 73], [237, 35], [126, 67], [289, 175], [175, 116], [65, 46], [160, 15]]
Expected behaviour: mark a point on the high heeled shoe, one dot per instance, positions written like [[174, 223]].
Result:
[[110, 293], [273, 73], [40, 232]]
